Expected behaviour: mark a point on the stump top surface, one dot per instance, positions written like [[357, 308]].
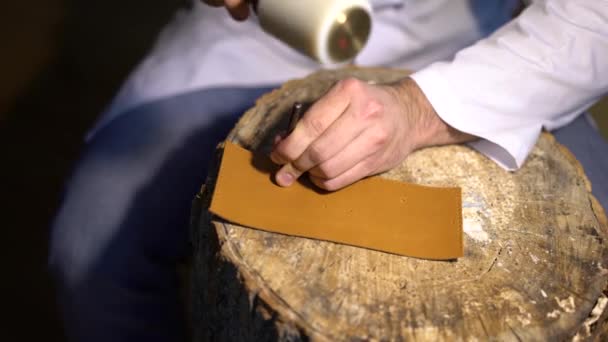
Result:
[[535, 256]]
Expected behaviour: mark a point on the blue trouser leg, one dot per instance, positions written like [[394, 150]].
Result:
[[591, 150], [123, 224]]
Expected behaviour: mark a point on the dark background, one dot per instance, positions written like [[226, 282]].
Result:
[[61, 62]]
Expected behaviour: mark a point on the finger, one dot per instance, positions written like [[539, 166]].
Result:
[[314, 122], [287, 175], [278, 138], [357, 172], [356, 155], [239, 9], [340, 134], [275, 142], [362, 147]]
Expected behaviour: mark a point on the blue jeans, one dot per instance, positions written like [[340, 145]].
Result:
[[123, 224]]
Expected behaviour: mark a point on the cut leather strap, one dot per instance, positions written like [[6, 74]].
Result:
[[374, 213]]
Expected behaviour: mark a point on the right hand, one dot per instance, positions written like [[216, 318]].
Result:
[[357, 130], [239, 9]]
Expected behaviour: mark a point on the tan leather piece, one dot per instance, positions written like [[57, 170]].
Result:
[[374, 213]]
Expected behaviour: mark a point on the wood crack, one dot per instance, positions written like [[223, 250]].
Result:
[[493, 263]]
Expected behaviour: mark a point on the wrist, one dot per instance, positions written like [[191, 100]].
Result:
[[427, 127]]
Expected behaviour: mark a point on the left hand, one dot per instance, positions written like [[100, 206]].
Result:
[[356, 130], [238, 9]]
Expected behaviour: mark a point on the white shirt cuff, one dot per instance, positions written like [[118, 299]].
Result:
[[508, 147]]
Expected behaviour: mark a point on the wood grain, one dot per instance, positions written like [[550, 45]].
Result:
[[534, 266]]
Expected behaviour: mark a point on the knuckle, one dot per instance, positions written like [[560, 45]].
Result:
[[372, 109], [284, 154], [315, 125], [374, 106], [380, 137], [316, 154], [327, 171], [351, 85]]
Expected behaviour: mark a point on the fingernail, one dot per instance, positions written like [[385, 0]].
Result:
[[285, 178]]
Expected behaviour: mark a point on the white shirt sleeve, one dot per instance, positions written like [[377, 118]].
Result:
[[541, 70]]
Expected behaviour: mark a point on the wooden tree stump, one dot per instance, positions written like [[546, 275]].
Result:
[[534, 266]]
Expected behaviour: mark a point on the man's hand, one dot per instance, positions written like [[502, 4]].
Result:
[[357, 130], [239, 9]]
